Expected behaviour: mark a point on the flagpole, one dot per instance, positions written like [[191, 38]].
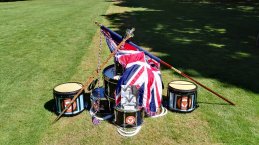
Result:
[[119, 38], [129, 34]]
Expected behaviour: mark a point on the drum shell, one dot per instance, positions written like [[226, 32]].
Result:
[[118, 68], [62, 98], [176, 96], [109, 83], [122, 115], [105, 107]]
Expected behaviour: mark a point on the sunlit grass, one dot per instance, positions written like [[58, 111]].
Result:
[[216, 45], [41, 43]]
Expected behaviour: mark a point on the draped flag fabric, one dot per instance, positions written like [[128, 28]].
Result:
[[140, 70], [141, 74], [113, 40]]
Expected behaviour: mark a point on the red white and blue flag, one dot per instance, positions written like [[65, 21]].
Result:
[[140, 74], [140, 70]]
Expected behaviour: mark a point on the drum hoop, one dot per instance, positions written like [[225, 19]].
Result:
[[103, 98], [128, 111], [108, 97], [183, 91], [67, 93], [110, 80]]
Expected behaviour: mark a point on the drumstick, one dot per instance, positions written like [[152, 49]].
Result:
[[166, 64], [129, 34]]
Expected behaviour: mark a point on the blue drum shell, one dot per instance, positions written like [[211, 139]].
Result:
[[61, 98], [174, 95]]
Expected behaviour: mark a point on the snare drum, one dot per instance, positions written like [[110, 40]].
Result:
[[128, 118], [182, 96], [110, 80], [64, 93], [100, 104]]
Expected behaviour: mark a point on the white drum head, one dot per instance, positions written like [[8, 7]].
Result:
[[182, 85], [68, 87]]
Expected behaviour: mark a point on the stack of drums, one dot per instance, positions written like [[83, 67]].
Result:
[[64, 93], [182, 96]]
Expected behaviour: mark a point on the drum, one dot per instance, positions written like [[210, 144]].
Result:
[[118, 68], [64, 93], [110, 80], [128, 118], [100, 105], [182, 96]]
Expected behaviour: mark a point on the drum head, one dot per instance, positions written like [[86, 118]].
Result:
[[109, 74], [68, 88], [185, 86]]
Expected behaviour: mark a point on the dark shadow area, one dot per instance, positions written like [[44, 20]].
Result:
[[214, 40], [87, 101], [50, 105]]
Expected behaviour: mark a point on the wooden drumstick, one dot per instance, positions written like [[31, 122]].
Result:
[[129, 34]]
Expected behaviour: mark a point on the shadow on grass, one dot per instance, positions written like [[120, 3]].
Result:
[[214, 40], [50, 105]]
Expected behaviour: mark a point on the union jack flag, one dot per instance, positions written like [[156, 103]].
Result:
[[141, 74], [140, 70]]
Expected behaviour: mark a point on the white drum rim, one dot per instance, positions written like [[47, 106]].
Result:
[[183, 85], [127, 111], [62, 89]]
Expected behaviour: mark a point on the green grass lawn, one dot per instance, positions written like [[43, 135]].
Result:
[[47, 42], [42, 43]]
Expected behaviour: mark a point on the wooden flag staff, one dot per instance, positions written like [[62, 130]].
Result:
[[188, 77], [168, 65], [129, 34]]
